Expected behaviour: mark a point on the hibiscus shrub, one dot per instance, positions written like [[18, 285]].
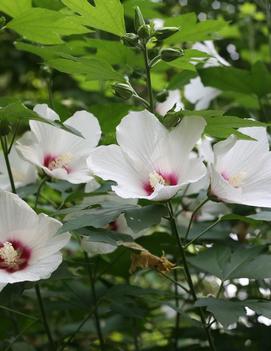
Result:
[[135, 175]]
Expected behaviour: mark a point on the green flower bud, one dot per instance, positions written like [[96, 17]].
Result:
[[144, 32], [124, 91], [165, 32], [139, 19], [4, 128], [162, 96], [130, 39], [170, 54]]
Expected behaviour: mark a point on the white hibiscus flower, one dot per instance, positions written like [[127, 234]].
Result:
[[58, 153], [241, 172], [29, 246], [151, 162]]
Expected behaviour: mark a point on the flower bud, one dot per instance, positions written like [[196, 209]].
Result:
[[170, 54], [139, 19], [165, 32], [124, 91], [144, 32], [130, 39], [162, 96], [4, 128]]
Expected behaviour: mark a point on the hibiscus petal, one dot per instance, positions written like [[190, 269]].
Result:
[[109, 163]]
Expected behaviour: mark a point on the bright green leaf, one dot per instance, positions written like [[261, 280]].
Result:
[[107, 15], [92, 68], [14, 8], [46, 26], [191, 30]]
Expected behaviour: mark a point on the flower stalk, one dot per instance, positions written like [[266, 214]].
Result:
[[44, 318], [95, 301], [6, 157], [148, 74], [188, 274]]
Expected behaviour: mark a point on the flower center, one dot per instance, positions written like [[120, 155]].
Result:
[[157, 179], [13, 256], [61, 161], [235, 180]]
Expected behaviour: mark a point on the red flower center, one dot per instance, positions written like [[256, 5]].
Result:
[[14, 256], [62, 161], [159, 178]]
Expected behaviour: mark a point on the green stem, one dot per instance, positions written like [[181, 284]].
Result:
[[94, 296], [135, 335], [177, 303], [188, 275], [43, 181], [192, 217], [148, 73], [5, 152], [175, 282], [220, 289], [44, 318], [202, 233], [13, 137], [67, 343], [37, 288], [50, 92], [268, 20]]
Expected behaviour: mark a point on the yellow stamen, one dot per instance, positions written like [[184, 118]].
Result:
[[156, 179], [9, 255]]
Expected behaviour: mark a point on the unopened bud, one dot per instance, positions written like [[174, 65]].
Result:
[[144, 32], [162, 96], [139, 19], [165, 32], [124, 91], [4, 128], [130, 39], [170, 54]]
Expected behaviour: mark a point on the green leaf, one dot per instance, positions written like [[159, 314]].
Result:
[[227, 262], [115, 52], [109, 122], [260, 307], [191, 30], [105, 236], [97, 217], [223, 126], [144, 217], [107, 15], [178, 81], [93, 68], [16, 111], [257, 81], [261, 216], [220, 126], [261, 79], [46, 26], [14, 8], [225, 312], [228, 312], [185, 61], [228, 79]]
